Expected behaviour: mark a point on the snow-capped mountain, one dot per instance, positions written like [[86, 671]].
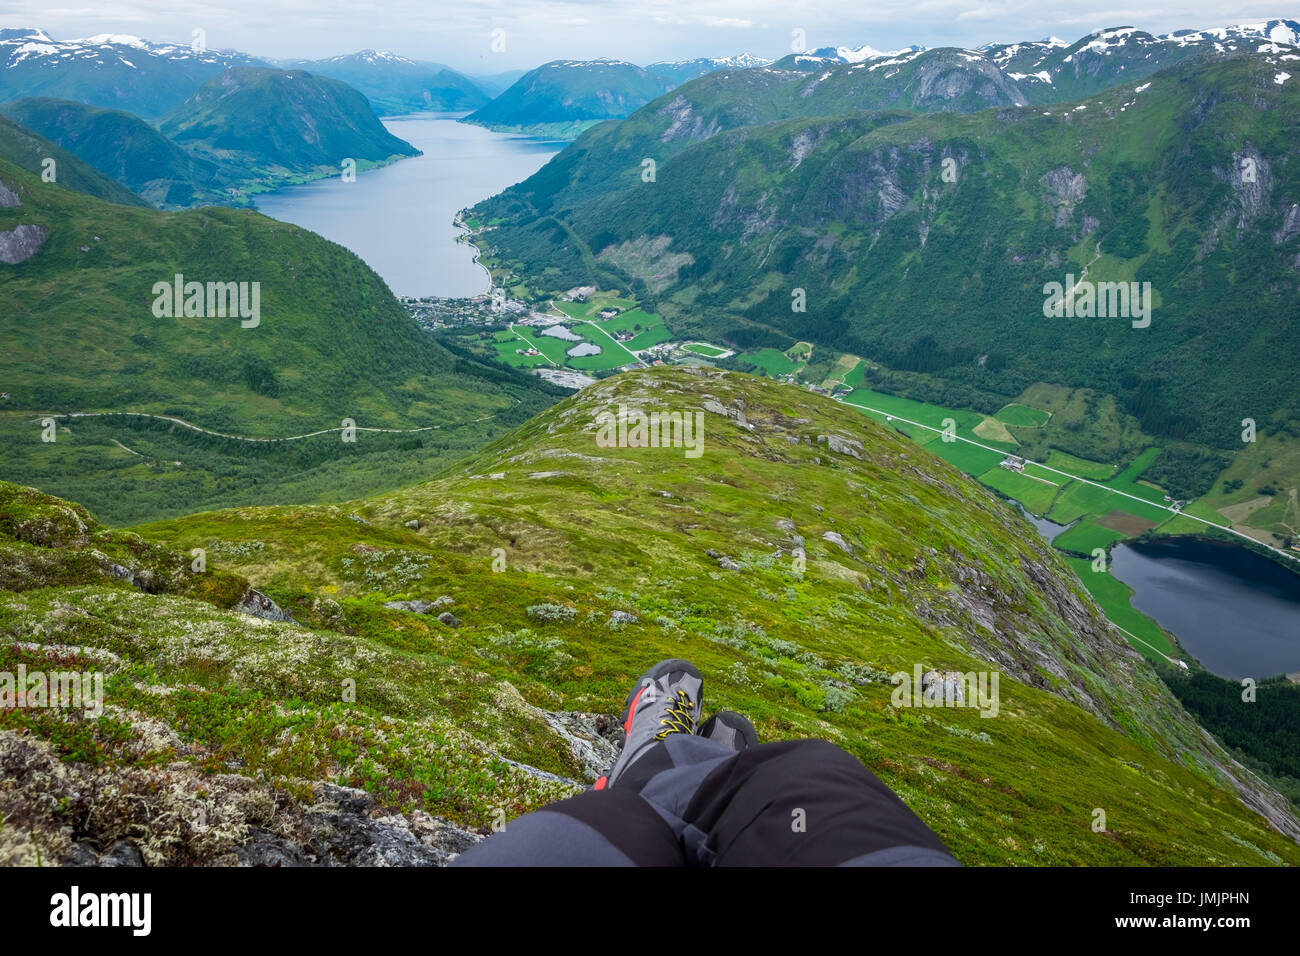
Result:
[[1010, 56], [371, 58], [1282, 33], [683, 71], [848, 54], [1052, 70], [112, 70]]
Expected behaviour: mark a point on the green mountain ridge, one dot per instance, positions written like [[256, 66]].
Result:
[[28, 150], [123, 147], [246, 131], [529, 547], [566, 95]]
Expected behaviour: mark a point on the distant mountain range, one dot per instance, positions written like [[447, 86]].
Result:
[[159, 82], [118, 72], [562, 98], [683, 71], [1052, 71], [395, 85], [494, 84], [150, 79]]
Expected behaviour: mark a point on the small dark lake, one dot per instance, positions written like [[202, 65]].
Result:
[[1235, 611]]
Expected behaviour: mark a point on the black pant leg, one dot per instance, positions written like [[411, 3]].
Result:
[[808, 803], [597, 828]]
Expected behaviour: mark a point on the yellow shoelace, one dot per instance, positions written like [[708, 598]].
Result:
[[678, 718]]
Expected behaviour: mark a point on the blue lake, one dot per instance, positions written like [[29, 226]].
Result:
[[399, 218]]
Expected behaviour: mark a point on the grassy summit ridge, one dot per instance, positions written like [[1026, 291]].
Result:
[[907, 562]]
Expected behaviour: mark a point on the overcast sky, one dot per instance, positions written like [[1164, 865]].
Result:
[[460, 34]]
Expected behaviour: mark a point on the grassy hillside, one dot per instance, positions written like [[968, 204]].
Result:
[[29, 151], [331, 343], [933, 571], [123, 147]]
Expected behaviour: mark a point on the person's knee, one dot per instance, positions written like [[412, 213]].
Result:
[[595, 828]]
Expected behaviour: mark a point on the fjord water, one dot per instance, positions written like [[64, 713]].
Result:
[[399, 218], [1235, 611]]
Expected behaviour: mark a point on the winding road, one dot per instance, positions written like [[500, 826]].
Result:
[[208, 431]]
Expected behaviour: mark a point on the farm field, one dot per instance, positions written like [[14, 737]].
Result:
[[507, 345], [614, 354], [773, 361], [1035, 491], [648, 327], [969, 458], [1085, 536], [1128, 479], [1022, 416], [702, 348], [1182, 524], [1083, 499], [590, 309], [553, 348], [1114, 597], [1094, 470], [1114, 516]]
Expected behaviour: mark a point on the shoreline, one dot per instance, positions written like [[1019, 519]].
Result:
[[306, 179], [466, 236]]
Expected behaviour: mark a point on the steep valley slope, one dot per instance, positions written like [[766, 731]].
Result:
[[925, 241], [155, 411]]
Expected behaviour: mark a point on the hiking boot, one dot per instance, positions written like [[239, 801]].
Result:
[[665, 701], [729, 729]]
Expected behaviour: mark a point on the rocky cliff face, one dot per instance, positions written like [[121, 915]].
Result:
[[21, 243]]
